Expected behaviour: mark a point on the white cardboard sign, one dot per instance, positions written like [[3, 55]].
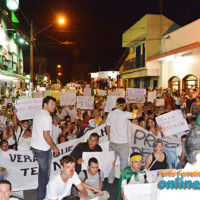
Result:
[[135, 95], [26, 108], [67, 98], [85, 102]]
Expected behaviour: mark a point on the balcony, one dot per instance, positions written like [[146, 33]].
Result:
[[134, 63]]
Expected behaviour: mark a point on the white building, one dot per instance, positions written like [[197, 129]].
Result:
[[179, 61]]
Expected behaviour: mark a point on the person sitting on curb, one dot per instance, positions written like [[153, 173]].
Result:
[[93, 179]]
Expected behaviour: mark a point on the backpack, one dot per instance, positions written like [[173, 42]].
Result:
[[86, 175]]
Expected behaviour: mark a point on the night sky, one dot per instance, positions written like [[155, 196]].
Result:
[[94, 27]]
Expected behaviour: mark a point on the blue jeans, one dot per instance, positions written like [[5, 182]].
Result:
[[44, 161]]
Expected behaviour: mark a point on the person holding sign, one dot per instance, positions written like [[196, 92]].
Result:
[[132, 175], [117, 130], [42, 142]]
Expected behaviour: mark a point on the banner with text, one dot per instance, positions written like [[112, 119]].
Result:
[[85, 102], [135, 95], [172, 123], [67, 98], [26, 108]]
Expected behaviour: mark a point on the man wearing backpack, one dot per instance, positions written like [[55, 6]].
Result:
[[93, 179]]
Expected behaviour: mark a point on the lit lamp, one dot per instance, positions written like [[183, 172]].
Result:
[[58, 66], [59, 74], [32, 36]]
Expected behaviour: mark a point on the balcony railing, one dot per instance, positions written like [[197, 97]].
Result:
[[134, 63]]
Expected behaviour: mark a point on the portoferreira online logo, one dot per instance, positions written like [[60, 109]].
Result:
[[178, 181]]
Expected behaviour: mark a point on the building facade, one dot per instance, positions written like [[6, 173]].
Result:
[[143, 40], [179, 60], [11, 56]]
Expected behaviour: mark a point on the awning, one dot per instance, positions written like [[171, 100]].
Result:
[[7, 73]]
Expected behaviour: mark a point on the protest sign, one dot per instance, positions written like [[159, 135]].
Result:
[[38, 95], [85, 102], [105, 160], [142, 141], [22, 166], [151, 96], [67, 98], [87, 92], [42, 89], [172, 123], [113, 93], [160, 102], [121, 92], [26, 108], [141, 191], [54, 94], [101, 92], [135, 95], [110, 103]]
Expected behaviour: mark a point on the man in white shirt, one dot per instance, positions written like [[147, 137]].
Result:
[[60, 185], [181, 185], [42, 142], [117, 130], [56, 131], [6, 190], [72, 112], [61, 113]]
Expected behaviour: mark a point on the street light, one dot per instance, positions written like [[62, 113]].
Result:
[[58, 66], [32, 36], [59, 74]]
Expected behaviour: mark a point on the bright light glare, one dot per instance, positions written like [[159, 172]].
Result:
[[21, 40], [61, 21], [58, 66], [59, 74]]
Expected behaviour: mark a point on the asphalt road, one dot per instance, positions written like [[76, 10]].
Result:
[[111, 188]]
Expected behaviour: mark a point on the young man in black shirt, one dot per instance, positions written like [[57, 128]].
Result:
[[90, 146]]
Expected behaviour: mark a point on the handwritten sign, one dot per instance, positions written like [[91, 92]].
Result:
[[54, 94], [67, 98], [110, 103], [172, 123], [26, 108], [105, 160], [135, 95], [151, 96], [37, 95], [121, 92], [113, 93], [85, 102], [141, 191], [101, 92], [87, 92], [160, 102]]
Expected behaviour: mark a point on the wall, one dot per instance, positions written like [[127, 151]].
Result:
[[186, 35]]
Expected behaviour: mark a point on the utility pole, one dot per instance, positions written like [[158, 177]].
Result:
[[31, 58]]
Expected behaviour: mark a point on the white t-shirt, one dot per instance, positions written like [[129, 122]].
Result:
[[61, 115], [24, 144], [57, 189], [72, 113], [118, 122], [42, 122], [56, 131]]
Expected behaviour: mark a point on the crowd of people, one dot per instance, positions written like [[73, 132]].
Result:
[[55, 124]]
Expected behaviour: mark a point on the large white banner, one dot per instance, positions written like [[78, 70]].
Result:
[[135, 95], [67, 98], [172, 123], [85, 102], [22, 166], [26, 108]]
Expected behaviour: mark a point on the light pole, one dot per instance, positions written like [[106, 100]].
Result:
[[32, 36]]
